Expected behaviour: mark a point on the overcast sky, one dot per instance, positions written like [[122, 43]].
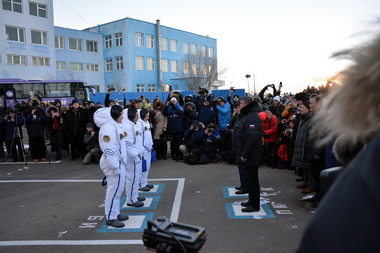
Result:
[[272, 40]]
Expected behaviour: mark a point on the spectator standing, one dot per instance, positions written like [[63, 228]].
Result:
[[36, 123], [77, 120], [55, 122], [160, 122], [12, 124], [248, 149]]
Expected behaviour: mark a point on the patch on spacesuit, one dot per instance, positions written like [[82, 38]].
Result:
[[121, 136], [125, 134], [137, 133], [106, 138], [147, 129]]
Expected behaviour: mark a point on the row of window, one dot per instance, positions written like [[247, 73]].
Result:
[[151, 64], [45, 61], [40, 37], [140, 87], [35, 9], [187, 47]]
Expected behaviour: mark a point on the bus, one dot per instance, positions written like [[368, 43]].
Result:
[[13, 91]]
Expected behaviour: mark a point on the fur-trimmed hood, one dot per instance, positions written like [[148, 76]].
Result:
[[351, 113]]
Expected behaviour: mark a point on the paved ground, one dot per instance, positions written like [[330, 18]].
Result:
[[58, 208]]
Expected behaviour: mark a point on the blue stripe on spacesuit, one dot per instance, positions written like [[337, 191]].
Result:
[[117, 188], [143, 142], [134, 179], [108, 152]]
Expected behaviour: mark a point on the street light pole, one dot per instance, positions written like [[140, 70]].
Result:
[[248, 76]]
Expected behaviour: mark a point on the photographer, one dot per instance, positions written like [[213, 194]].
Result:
[[206, 112], [290, 110], [268, 98], [36, 123], [235, 99], [224, 114], [193, 137], [174, 111], [10, 122], [208, 150]]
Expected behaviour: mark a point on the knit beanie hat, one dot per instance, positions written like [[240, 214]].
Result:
[[307, 104]]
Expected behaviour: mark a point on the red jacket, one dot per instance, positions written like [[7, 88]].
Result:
[[270, 126]]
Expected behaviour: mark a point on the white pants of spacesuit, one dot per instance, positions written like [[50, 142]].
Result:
[[144, 175], [133, 177], [115, 187]]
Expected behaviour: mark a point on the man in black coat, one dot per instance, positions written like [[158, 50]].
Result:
[[248, 149]]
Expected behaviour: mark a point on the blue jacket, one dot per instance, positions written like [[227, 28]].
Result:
[[224, 116], [175, 118]]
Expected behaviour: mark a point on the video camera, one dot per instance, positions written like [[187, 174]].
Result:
[[232, 88], [166, 236]]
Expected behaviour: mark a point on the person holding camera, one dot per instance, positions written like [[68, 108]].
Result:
[[208, 150], [174, 111], [91, 139], [193, 137], [290, 110], [36, 123], [12, 124]]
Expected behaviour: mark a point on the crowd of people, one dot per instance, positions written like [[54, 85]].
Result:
[[198, 128]]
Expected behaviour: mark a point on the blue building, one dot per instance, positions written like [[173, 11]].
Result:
[[128, 54]]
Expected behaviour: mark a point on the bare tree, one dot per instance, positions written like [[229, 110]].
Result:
[[199, 70], [117, 83], [71, 75]]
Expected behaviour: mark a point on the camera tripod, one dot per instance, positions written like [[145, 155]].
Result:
[[17, 141]]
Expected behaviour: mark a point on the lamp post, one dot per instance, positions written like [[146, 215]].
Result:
[[248, 76]]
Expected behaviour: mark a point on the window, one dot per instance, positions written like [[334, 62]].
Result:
[[59, 42], [139, 39], [139, 62], [41, 61], [194, 49], [109, 65], [151, 87], [92, 46], [108, 41], [186, 47], [174, 45], [164, 44], [151, 64], [150, 41], [194, 68], [140, 87], [76, 66], [165, 65], [119, 39], [211, 52], [186, 67], [36, 9], [14, 33], [204, 51], [119, 63], [93, 67], [12, 5], [75, 44], [60, 65], [16, 59], [39, 37], [175, 66]]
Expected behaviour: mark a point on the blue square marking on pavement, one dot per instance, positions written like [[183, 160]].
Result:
[[157, 189], [234, 212], [137, 222], [150, 202], [229, 192]]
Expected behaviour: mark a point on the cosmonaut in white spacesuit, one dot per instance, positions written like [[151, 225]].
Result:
[[147, 142], [134, 154], [113, 161]]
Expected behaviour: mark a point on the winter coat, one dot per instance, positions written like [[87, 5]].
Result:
[[35, 125], [206, 114], [300, 147], [210, 144], [175, 118], [246, 139], [9, 128], [77, 120], [270, 127], [189, 115], [224, 116], [91, 141], [55, 134], [159, 125]]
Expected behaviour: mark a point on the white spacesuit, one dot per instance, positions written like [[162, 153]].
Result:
[[113, 161], [134, 152], [147, 142]]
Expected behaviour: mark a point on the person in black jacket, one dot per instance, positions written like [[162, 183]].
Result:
[[77, 120], [91, 139], [36, 123], [247, 145]]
